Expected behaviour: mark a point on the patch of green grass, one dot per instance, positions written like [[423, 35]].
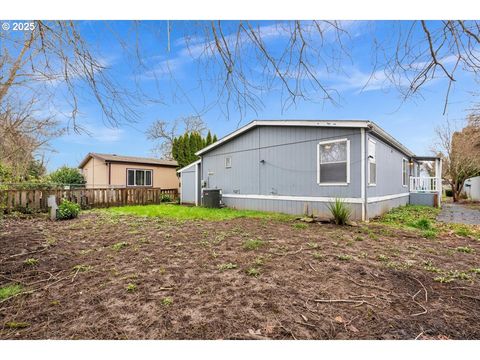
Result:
[[422, 224], [131, 287], [312, 245], [81, 268], [120, 245], [429, 234], [344, 257], [412, 215], [383, 258], [443, 279], [461, 275], [253, 271], [428, 265], [31, 262], [180, 212], [167, 301], [7, 291], [475, 270], [318, 256], [16, 325], [359, 238], [259, 261], [227, 266], [252, 244], [300, 226], [462, 231], [464, 249]]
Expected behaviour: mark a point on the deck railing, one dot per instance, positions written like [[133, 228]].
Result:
[[424, 184]]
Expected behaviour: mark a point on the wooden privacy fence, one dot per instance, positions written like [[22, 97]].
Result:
[[87, 198]]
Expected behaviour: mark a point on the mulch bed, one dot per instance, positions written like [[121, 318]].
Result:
[[318, 282]]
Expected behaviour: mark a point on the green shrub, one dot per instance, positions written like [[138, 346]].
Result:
[[68, 210], [423, 224], [165, 198], [340, 212]]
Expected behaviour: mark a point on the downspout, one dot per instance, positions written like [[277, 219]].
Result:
[[364, 164]]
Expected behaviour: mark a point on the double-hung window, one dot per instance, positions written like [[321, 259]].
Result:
[[139, 177], [333, 166], [372, 163]]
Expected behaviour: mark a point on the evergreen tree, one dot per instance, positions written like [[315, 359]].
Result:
[[185, 146]]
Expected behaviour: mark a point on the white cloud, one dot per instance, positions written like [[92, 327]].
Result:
[[95, 133]]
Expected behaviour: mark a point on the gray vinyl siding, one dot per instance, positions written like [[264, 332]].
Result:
[[290, 162], [380, 207], [427, 199], [315, 208], [187, 188], [389, 170]]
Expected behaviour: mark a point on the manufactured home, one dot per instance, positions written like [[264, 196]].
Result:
[[300, 167], [118, 171]]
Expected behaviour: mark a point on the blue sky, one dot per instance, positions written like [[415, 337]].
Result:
[[177, 73]]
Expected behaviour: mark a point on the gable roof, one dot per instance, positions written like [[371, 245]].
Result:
[[189, 166], [114, 158], [366, 124]]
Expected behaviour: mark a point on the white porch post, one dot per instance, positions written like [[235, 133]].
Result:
[[438, 180]]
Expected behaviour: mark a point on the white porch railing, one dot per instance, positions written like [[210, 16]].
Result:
[[424, 184]]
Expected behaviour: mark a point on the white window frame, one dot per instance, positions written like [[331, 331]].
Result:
[[228, 162], [369, 160], [405, 161], [135, 177], [348, 161]]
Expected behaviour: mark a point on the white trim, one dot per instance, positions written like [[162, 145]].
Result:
[[292, 198], [362, 170], [334, 162], [314, 198], [190, 165], [196, 184], [386, 197]]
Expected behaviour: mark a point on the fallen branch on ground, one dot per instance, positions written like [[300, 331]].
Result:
[[357, 302]]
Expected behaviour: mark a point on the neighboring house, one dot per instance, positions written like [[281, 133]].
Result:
[[300, 167], [116, 171], [472, 188]]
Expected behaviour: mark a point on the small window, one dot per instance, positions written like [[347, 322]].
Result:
[[372, 162], [333, 167], [139, 177], [405, 172], [228, 162]]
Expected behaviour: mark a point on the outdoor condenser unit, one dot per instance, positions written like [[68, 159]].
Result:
[[211, 198]]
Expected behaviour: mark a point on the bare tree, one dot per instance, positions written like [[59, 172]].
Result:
[[414, 54], [460, 153], [53, 61], [23, 135], [164, 133]]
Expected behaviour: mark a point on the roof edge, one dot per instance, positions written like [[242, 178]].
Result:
[[254, 123], [189, 165]]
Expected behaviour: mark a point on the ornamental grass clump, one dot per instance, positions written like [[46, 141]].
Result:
[[340, 212]]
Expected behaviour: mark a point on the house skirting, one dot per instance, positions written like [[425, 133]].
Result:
[[318, 206]]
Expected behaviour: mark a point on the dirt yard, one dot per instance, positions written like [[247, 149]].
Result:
[[124, 277]]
